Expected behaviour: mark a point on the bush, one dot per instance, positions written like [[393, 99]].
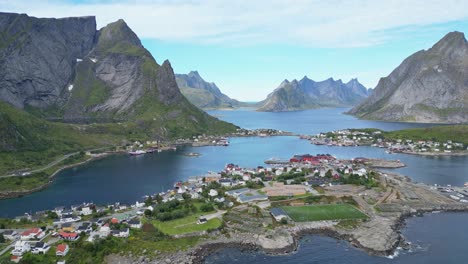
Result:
[[206, 208]]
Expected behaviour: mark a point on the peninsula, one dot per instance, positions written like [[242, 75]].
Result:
[[265, 208]]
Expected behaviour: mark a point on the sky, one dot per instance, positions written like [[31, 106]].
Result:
[[248, 47]]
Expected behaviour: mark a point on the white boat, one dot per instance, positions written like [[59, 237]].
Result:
[[455, 197], [136, 153]]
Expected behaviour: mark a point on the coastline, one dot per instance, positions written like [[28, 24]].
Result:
[[198, 254], [15, 194], [437, 154]]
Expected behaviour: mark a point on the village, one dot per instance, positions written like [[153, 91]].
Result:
[[271, 204], [375, 138]]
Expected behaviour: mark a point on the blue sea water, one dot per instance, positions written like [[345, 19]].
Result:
[[435, 239], [126, 179]]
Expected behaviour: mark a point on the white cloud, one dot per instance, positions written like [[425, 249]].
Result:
[[334, 23]]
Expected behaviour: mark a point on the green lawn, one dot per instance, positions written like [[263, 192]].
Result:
[[187, 224], [323, 212]]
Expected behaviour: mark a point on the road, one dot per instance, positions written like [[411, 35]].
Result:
[[218, 214], [50, 165]]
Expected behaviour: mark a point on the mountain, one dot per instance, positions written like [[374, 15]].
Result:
[[203, 94], [306, 93], [65, 70], [428, 86]]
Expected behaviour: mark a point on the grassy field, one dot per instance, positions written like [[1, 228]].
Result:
[[323, 212], [456, 133], [187, 224]]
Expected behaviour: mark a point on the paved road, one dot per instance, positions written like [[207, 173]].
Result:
[[218, 214]]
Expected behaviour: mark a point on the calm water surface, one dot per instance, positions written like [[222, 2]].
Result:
[[435, 238], [126, 179]]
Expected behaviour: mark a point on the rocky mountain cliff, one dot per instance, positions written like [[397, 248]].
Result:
[[66, 70], [306, 93], [203, 94], [428, 86], [38, 57]]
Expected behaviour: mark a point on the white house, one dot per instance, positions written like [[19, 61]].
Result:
[[10, 234], [194, 195], [213, 193], [40, 248], [21, 247], [246, 177], [32, 233], [104, 230], [86, 211], [121, 233], [225, 182], [135, 223], [278, 214], [219, 199], [361, 172], [139, 205]]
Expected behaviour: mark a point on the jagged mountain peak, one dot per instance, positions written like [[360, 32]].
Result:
[[453, 44], [203, 94], [117, 33], [284, 82], [307, 93], [428, 86], [194, 74]]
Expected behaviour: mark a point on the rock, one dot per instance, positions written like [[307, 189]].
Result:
[[428, 86], [203, 94], [37, 62], [306, 93]]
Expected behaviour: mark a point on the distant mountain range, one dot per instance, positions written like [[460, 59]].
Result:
[[428, 86], [203, 94], [306, 94]]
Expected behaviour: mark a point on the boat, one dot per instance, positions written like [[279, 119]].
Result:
[[455, 197], [136, 153], [466, 184], [192, 154]]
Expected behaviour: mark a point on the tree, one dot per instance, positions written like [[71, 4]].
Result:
[[148, 212], [206, 207], [2, 239], [158, 198], [52, 215], [148, 201], [328, 174], [186, 196], [284, 221]]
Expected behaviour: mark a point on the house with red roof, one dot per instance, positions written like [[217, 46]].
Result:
[[33, 233], [69, 236], [15, 259], [62, 250]]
